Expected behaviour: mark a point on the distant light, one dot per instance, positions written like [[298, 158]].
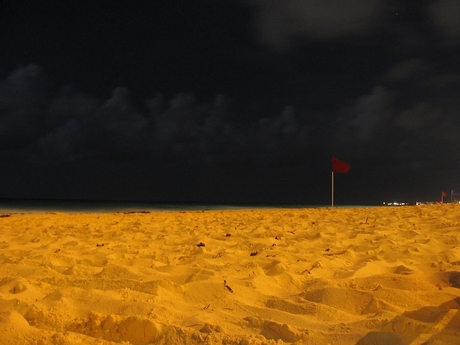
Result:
[[395, 203]]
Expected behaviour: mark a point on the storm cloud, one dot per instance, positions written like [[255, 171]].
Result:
[[69, 125]]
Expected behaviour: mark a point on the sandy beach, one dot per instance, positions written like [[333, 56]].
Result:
[[384, 275]]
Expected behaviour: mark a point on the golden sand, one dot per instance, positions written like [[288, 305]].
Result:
[[303, 276]]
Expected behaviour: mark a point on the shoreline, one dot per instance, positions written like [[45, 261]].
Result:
[[37, 205]]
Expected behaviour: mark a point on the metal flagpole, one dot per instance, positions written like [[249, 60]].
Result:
[[332, 203]]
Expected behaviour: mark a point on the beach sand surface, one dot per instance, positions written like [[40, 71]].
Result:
[[384, 275]]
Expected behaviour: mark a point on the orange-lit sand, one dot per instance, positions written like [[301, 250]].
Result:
[[305, 276]]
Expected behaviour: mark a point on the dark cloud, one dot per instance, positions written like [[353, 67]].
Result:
[[445, 17], [362, 121], [68, 104], [411, 25], [278, 23], [109, 130], [420, 118], [71, 126], [405, 70], [22, 105], [68, 125]]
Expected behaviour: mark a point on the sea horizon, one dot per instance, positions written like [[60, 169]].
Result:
[[11, 205]]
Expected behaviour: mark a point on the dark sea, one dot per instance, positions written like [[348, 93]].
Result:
[[78, 206]]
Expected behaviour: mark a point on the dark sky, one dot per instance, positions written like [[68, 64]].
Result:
[[230, 101]]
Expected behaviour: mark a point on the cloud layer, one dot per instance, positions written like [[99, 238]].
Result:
[[68, 125], [281, 24]]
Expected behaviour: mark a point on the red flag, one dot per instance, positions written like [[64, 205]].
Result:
[[443, 194], [339, 166]]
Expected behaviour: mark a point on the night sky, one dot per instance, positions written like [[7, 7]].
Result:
[[230, 101]]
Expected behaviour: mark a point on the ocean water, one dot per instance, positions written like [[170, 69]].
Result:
[[78, 206]]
